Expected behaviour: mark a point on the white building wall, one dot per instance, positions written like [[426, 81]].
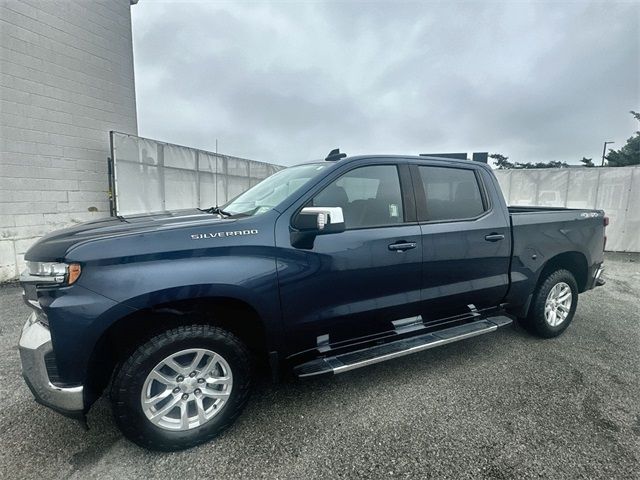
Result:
[[616, 190], [66, 79]]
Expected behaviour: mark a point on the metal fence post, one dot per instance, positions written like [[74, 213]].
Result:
[[225, 167], [161, 177], [113, 207], [595, 201], [198, 178]]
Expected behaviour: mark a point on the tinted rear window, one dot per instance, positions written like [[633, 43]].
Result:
[[452, 193]]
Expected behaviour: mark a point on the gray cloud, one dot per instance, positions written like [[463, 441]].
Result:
[[287, 82]]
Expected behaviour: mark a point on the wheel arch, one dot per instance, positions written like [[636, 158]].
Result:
[[575, 262], [125, 334]]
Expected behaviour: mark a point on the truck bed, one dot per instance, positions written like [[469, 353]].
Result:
[[552, 230], [532, 209], [540, 233]]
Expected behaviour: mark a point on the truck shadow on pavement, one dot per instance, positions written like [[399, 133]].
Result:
[[293, 398]]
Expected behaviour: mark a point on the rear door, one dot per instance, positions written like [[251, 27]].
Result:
[[356, 282], [466, 241]]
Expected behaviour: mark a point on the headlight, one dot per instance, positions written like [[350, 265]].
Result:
[[58, 272], [47, 269]]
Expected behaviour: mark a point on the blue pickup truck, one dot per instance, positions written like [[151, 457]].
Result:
[[322, 268]]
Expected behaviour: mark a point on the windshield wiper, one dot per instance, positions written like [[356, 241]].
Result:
[[216, 210]]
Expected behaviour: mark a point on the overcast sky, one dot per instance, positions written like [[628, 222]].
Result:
[[286, 82]]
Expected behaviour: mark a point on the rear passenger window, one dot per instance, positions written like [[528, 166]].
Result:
[[452, 193], [369, 197]]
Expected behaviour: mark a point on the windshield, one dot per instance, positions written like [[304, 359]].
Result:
[[272, 190]]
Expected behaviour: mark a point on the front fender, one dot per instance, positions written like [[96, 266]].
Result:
[[244, 274]]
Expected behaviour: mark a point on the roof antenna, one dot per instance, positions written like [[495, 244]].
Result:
[[335, 155]]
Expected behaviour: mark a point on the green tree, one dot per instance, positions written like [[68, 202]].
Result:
[[551, 164], [587, 162], [629, 154], [502, 161]]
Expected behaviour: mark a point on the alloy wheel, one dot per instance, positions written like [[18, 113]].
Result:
[[186, 389], [558, 304]]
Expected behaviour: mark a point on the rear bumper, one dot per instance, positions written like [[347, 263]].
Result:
[[35, 343]]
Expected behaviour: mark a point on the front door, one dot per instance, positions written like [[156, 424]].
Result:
[[353, 283]]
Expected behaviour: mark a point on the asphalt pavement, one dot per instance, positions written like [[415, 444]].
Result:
[[501, 405]]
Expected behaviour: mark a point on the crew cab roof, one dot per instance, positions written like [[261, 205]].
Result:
[[449, 161]]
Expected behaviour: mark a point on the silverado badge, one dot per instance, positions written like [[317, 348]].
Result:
[[235, 233]]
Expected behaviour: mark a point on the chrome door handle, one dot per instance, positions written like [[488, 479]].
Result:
[[402, 246], [494, 237]]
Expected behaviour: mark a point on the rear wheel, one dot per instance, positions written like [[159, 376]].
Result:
[[554, 304], [182, 387]]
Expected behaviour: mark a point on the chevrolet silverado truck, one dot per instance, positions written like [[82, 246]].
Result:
[[322, 268]]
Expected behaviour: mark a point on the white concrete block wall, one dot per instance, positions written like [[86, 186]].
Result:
[[66, 79]]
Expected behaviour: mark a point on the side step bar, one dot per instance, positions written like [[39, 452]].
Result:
[[380, 353]]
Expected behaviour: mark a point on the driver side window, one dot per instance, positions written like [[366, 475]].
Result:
[[369, 197]]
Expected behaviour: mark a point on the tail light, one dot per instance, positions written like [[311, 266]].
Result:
[[605, 222]]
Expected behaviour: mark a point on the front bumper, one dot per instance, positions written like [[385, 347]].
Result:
[[35, 343]]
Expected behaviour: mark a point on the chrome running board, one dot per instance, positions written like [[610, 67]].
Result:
[[387, 351]]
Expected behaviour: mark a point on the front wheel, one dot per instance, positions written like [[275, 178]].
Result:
[[182, 387], [553, 305]]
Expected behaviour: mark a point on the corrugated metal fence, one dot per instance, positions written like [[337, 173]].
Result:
[[614, 190], [151, 176]]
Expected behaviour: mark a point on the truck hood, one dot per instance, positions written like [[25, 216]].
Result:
[[53, 247]]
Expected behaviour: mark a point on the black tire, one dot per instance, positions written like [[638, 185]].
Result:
[[126, 388], [536, 321]]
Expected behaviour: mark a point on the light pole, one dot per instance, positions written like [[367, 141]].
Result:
[[604, 149]]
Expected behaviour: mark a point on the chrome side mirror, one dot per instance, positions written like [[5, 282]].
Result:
[[313, 221], [323, 218]]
